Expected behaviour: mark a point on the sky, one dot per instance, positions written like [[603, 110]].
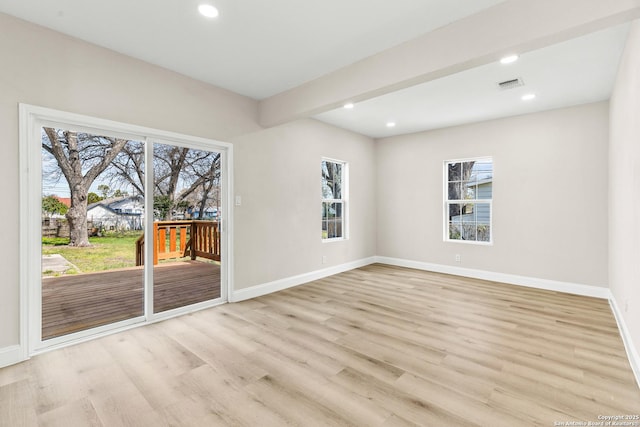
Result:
[[57, 186]]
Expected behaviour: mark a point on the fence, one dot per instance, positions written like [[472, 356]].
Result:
[[59, 227], [178, 239]]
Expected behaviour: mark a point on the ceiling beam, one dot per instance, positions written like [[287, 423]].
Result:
[[515, 26]]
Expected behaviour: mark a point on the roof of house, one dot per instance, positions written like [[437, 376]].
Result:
[[100, 204], [64, 200], [109, 203]]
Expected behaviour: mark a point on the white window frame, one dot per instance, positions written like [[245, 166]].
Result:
[[344, 200], [475, 201]]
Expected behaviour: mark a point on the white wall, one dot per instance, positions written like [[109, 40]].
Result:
[[278, 225], [549, 195], [624, 187], [45, 68]]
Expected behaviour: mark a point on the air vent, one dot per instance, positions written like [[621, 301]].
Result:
[[510, 84]]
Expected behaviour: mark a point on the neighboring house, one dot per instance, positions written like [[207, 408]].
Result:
[[475, 217], [64, 200], [122, 213], [209, 213]]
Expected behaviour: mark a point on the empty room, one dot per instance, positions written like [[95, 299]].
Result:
[[363, 213]]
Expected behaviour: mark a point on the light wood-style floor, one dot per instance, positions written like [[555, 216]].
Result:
[[376, 346]]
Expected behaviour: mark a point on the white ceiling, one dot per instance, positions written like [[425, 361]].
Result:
[[574, 72], [256, 48], [259, 49]]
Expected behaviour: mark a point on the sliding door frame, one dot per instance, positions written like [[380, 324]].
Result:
[[31, 120]]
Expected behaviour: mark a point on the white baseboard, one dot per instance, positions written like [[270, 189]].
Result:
[[279, 285], [10, 355], [512, 279], [531, 282], [632, 352]]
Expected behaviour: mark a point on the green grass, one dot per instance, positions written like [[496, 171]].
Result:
[[55, 241], [105, 253]]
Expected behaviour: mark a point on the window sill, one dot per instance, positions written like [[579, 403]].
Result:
[[469, 242], [335, 239]]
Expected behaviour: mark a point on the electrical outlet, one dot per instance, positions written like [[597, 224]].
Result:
[[626, 305], [324, 259], [457, 257]]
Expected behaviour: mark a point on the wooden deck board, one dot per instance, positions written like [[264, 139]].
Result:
[[79, 302]]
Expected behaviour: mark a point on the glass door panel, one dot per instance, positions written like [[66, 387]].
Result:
[[186, 204], [92, 226]]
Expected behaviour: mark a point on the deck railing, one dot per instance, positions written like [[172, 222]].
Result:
[[177, 239]]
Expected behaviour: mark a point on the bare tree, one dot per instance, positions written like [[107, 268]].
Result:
[[183, 177], [168, 164], [206, 171], [82, 158], [128, 167]]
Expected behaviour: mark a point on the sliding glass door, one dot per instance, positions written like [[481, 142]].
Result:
[[186, 226], [124, 225]]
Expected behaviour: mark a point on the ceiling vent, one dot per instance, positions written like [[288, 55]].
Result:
[[510, 84]]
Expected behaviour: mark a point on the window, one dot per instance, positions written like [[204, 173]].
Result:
[[334, 199], [468, 197]]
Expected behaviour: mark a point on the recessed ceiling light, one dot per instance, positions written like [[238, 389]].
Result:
[[391, 124], [348, 105], [528, 97], [208, 10], [509, 59]]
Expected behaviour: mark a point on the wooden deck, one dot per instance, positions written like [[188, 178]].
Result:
[[79, 302]]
